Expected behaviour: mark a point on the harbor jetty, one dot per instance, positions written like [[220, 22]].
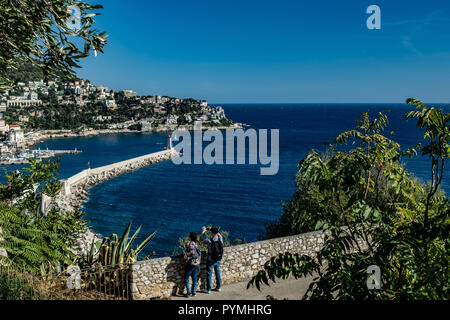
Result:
[[76, 185], [74, 189]]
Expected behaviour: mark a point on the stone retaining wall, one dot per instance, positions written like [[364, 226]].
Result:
[[163, 277]]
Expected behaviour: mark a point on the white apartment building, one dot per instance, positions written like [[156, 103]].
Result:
[[3, 126], [149, 100], [172, 119], [16, 135], [3, 105], [26, 100], [77, 90], [102, 89], [24, 118], [110, 104], [129, 93]]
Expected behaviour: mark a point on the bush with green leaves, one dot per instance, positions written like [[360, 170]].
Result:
[[39, 32], [114, 250], [16, 286], [33, 240], [30, 238], [373, 212], [106, 265], [24, 188]]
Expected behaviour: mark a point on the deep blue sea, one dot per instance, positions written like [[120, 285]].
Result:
[[176, 199]]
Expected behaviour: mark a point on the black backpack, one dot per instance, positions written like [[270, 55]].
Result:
[[216, 250]]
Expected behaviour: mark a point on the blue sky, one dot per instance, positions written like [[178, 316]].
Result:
[[275, 51]]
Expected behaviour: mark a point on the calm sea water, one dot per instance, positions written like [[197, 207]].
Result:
[[176, 199]]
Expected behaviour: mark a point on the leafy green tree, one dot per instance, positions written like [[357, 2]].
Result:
[[435, 123], [24, 71], [31, 239], [405, 234], [24, 188], [35, 37], [38, 32]]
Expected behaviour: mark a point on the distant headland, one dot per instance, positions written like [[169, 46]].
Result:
[[34, 110]]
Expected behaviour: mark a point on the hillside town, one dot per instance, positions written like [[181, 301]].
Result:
[[35, 110]]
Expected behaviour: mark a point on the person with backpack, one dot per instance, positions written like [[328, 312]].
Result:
[[215, 252], [192, 256]]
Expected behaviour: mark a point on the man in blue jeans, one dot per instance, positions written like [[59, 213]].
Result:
[[215, 251]]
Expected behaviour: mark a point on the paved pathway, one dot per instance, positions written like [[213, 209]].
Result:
[[290, 289]]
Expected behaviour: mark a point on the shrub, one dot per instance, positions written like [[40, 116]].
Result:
[[373, 212], [16, 286]]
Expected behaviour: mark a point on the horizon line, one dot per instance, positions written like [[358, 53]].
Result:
[[267, 103]]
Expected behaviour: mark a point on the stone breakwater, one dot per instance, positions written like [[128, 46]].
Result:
[[74, 189], [163, 277]]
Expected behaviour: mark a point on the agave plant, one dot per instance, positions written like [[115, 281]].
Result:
[[105, 265], [89, 259], [114, 250]]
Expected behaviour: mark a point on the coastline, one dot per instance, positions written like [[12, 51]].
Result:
[[38, 136]]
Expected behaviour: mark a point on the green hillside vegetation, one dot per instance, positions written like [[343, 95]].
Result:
[[374, 212], [23, 70]]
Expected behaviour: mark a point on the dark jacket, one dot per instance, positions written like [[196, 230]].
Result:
[[209, 243]]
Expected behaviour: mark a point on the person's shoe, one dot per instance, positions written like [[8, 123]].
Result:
[[207, 291], [186, 295], [193, 294], [218, 289]]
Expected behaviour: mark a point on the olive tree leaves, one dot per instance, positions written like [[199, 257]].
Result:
[[38, 31]]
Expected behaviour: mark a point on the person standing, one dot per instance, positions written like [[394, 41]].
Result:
[[192, 267], [215, 252]]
